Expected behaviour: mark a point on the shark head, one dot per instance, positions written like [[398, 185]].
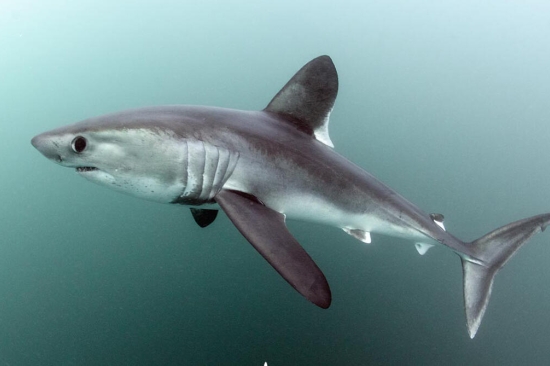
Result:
[[138, 152], [143, 161]]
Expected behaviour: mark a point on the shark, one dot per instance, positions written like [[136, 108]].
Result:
[[262, 167]]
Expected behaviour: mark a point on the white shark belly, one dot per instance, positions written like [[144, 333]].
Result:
[[297, 201], [309, 208]]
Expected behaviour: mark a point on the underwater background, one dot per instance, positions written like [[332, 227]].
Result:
[[446, 102]]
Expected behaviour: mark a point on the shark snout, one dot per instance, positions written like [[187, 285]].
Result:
[[46, 146], [37, 141]]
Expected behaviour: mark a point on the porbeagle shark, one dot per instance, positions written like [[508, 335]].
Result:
[[261, 167]]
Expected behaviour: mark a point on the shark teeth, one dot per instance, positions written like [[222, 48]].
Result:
[[82, 169]]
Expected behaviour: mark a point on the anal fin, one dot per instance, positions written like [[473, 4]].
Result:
[[265, 229], [422, 248]]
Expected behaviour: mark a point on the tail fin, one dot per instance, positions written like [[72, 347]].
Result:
[[490, 253]]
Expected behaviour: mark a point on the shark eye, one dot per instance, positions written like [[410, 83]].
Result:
[[79, 144]]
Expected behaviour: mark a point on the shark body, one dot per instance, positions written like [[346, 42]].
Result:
[[261, 167]]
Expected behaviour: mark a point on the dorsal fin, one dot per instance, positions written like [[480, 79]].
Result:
[[308, 98]]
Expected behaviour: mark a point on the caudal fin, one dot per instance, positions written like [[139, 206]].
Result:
[[490, 253]]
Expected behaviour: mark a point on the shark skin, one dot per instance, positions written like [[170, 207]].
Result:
[[261, 167]]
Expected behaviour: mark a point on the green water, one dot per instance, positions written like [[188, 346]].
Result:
[[445, 101]]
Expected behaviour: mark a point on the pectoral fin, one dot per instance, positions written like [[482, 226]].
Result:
[[265, 229], [204, 217]]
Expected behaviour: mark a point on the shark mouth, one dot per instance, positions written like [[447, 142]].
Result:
[[84, 169]]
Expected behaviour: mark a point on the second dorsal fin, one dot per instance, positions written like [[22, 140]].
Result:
[[438, 219], [308, 98]]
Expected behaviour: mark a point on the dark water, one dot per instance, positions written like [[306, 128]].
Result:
[[445, 101]]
